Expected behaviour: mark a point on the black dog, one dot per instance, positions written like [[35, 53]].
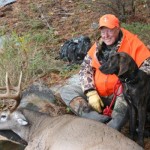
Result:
[[136, 88]]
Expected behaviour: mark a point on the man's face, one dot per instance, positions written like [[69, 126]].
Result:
[[109, 36]]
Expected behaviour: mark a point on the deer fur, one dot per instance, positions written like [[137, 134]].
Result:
[[66, 132]]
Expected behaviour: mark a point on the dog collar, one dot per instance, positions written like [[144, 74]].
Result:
[[132, 78]]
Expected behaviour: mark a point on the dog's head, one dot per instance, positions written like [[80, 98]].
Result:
[[119, 64]]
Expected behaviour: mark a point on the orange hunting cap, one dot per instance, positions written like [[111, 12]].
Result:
[[109, 21]]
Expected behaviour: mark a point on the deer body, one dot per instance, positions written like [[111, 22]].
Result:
[[65, 132]]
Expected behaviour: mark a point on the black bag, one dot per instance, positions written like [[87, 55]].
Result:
[[74, 50]]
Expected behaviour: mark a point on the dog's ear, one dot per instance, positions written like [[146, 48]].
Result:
[[123, 69], [123, 64]]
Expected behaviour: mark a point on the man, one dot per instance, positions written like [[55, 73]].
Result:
[[96, 88]]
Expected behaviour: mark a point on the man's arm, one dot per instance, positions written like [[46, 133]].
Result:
[[146, 66], [86, 75]]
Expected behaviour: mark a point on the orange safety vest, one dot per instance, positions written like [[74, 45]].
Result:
[[130, 44]]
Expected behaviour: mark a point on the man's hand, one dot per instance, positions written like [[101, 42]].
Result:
[[95, 100]]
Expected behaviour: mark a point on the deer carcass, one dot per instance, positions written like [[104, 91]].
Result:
[[66, 132]]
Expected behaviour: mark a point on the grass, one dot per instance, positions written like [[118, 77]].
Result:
[[27, 53], [141, 29], [32, 49], [67, 71]]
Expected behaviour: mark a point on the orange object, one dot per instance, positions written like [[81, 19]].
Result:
[[109, 21], [130, 44], [108, 110]]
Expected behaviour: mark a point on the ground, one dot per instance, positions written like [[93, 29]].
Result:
[[68, 18]]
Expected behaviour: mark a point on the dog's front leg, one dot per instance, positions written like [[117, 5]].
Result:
[[132, 122], [141, 125]]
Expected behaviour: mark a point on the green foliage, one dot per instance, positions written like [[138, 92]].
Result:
[[25, 53], [28, 49], [43, 36], [68, 110], [69, 70], [141, 29]]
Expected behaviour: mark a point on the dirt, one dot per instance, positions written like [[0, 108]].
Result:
[[68, 18]]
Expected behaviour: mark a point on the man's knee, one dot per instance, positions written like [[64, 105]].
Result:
[[69, 92]]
